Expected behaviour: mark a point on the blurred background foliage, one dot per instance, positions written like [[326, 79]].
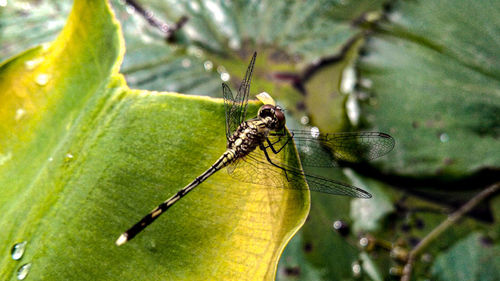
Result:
[[425, 72]]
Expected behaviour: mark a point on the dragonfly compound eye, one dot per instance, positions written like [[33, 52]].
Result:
[[277, 116], [280, 116]]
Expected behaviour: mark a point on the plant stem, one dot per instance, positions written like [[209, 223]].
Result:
[[169, 30], [436, 232]]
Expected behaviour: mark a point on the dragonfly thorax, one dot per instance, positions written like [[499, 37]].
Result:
[[248, 136]]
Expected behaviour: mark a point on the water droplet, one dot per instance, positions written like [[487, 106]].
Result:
[[193, 50], [19, 114], [186, 63], [234, 43], [225, 76], [130, 9], [356, 269], [444, 137], [31, 64], [348, 80], [3, 3], [221, 69], [367, 83], [165, 28], [353, 110], [42, 79], [315, 132], [46, 46], [149, 14], [17, 250], [304, 120], [23, 271], [395, 16], [69, 157], [337, 224], [51, 159], [364, 242], [341, 227], [5, 157], [194, 6], [208, 65]]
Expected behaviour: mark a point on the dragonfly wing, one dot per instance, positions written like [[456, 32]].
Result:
[[326, 150], [250, 170], [230, 108], [244, 90], [312, 151], [255, 168], [359, 146], [235, 107]]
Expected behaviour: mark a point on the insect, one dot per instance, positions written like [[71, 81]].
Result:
[[251, 143]]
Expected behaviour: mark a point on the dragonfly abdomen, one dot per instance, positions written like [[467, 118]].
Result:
[[228, 157]]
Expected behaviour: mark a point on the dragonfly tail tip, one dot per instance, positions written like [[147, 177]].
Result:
[[122, 239]]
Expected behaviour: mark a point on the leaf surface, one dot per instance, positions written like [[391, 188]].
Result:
[[85, 157]]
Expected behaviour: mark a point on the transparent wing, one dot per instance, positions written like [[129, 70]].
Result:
[[327, 150], [255, 168], [315, 149], [230, 107], [236, 107]]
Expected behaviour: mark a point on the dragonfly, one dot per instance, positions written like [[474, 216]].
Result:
[[253, 144]]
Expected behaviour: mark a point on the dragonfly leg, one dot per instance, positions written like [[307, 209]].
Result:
[[280, 134], [270, 161], [271, 145]]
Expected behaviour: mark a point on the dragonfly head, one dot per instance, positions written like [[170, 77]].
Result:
[[273, 115]]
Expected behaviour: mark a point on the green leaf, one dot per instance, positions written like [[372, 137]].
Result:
[[294, 265], [369, 215], [24, 24], [469, 259], [318, 252], [435, 87], [288, 35], [85, 157]]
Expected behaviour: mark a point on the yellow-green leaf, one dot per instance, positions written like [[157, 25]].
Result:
[[82, 158]]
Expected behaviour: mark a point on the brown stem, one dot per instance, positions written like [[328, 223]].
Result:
[[169, 30], [436, 232]]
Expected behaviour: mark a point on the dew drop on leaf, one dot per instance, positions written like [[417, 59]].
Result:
[[17, 250], [444, 137], [208, 65], [42, 79], [224, 76], [23, 271], [19, 113], [31, 64]]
